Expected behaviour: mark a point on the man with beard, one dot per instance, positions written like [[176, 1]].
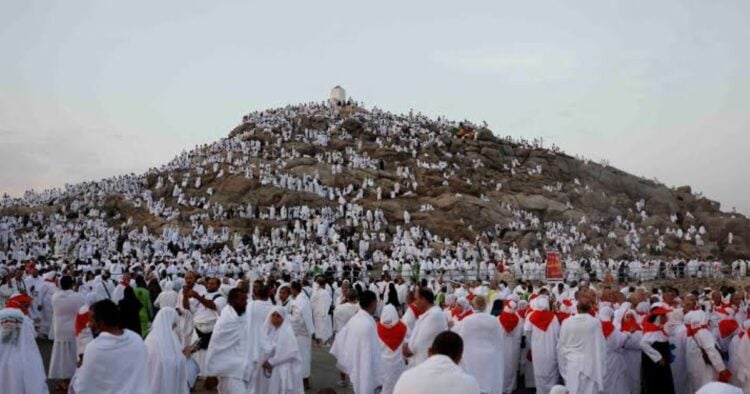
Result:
[[202, 306]]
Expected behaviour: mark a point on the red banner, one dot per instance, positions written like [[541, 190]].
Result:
[[554, 267]]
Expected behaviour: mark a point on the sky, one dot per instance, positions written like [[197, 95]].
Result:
[[95, 88]]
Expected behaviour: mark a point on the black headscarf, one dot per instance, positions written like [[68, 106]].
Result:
[[129, 310]]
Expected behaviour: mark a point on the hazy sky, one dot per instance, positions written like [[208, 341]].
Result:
[[90, 89]]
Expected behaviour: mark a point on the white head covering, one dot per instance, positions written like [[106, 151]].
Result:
[[389, 316], [91, 298], [280, 344], [718, 388], [676, 316], [558, 389], [540, 303], [19, 354], [606, 314], [168, 285], [695, 319], [464, 303], [643, 307], [166, 362]]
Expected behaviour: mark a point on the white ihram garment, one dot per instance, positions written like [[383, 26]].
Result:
[[483, 343], [21, 367], [280, 349], [357, 350], [581, 354], [65, 306], [102, 369], [428, 326], [437, 375], [321, 304], [229, 352], [166, 362], [302, 323]]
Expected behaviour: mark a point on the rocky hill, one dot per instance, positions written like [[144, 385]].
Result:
[[456, 181]]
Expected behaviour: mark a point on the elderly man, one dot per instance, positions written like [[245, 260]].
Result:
[[65, 306]]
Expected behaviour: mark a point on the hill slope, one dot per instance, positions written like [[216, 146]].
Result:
[[358, 171]]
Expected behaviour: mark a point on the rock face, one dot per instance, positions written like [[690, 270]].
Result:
[[463, 183]]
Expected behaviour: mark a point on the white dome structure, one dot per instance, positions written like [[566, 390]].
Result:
[[337, 97]]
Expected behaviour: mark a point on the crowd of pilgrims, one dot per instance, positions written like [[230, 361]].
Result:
[[132, 281], [78, 222], [176, 327]]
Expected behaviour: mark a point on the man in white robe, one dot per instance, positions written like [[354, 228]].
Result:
[[300, 317], [581, 351], [440, 373], [21, 367], [430, 323], [257, 312], [205, 308], [47, 289], [341, 315], [483, 342], [357, 348], [321, 302], [229, 353], [65, 306], [102, 368]]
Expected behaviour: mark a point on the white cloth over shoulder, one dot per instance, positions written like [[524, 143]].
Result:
[[166, 363], [428, 326], [718, 388], [581, 352], [102, 369], [483, 345], [65, 306], [228, 354], [321, 305], [280, 349], [357, 350], [437, 375]]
